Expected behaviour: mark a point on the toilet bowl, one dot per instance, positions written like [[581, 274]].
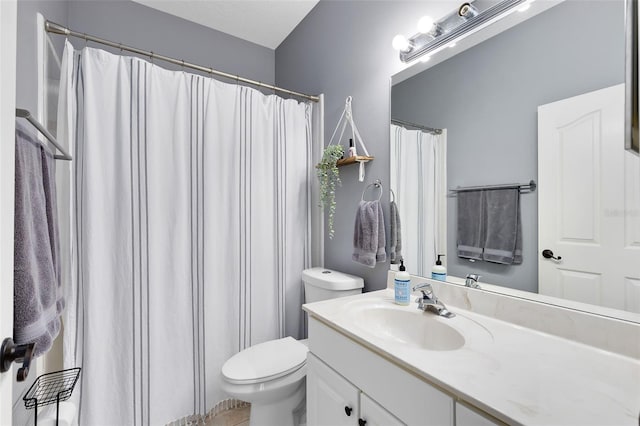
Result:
[[272, 375]]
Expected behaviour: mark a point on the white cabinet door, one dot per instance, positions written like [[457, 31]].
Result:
[[372, 414], [331, 399], [467, 417]]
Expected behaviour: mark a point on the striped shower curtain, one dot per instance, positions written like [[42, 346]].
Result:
[[190, 225], [418, 178]]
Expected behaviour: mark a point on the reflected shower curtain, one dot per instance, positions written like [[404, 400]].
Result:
[[419, 180], [191, 225]]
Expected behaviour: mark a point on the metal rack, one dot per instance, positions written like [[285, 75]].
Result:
[[49, 388], [523, 187], [23, 113]]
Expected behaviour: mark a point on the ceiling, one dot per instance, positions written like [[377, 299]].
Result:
[[264, 22]]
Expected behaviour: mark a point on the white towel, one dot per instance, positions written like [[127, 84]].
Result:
[[369, 235]]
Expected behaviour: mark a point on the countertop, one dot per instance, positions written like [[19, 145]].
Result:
[[516, 374]]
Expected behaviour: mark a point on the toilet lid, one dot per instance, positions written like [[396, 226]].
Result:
[[265, 361]]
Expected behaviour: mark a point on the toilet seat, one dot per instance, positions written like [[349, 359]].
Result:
[[265, 361]]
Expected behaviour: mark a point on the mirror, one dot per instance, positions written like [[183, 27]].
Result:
[[542, 100]]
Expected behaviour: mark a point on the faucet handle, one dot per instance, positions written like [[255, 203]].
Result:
[[426, 286], [472, 280], [426, 289]]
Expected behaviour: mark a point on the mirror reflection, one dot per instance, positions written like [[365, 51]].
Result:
[[542, 101]]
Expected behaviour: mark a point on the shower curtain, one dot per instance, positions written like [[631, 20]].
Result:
[[191, 224], [419, 180]]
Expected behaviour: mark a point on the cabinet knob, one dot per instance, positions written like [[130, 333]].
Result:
[[348, 410], [362, 422]]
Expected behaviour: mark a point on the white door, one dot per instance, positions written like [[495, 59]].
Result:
[[588, 202], [7, 137], [331, 399], [372, 414]]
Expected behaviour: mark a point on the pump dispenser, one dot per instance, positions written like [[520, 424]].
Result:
[[352, 149], [402, 285], [439, 272]]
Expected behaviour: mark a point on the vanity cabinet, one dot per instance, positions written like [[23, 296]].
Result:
[[345, 377], [333, 401]]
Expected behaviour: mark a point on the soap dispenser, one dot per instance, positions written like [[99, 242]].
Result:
[[402, 285], [352, 149], [439, 272]]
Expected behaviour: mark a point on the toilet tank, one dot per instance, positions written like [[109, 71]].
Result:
[[323, 284]]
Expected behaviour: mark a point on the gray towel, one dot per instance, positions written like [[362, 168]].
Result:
[[368, 236], [38, 301], [395, 252], [503, 243], [471, 235]]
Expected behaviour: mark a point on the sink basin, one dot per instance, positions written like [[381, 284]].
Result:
[[414, 328]]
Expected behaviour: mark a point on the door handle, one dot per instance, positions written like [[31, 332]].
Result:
[[548, 254]]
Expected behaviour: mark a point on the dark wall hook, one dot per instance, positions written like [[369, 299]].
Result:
[[10, 352]]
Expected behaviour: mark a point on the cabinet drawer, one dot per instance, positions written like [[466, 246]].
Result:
[[398, 391], [466, 416]]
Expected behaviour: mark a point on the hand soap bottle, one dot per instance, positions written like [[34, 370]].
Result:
[[439, 272], [402, 285], [352, 149]]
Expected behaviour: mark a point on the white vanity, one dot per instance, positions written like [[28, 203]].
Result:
[[376, 363]]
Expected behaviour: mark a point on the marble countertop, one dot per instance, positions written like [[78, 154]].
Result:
[[516, 374]]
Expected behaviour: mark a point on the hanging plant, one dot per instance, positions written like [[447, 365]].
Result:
[[329, 177]]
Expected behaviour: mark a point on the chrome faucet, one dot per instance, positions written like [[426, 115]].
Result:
[[472, 281], [429, 301]]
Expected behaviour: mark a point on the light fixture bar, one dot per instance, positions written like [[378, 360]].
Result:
[[484, 17]]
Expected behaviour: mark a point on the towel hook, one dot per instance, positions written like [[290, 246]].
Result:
[[377, 184], [393, 195]]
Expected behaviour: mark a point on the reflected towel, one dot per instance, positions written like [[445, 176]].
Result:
[[369, 235], [37, 296], [471, 236], [503, 242], [395, 252]]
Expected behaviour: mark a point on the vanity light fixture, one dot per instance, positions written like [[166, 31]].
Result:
[[434, 36]]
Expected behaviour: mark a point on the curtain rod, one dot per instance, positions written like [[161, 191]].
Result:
[[417, 126], [52, 27]]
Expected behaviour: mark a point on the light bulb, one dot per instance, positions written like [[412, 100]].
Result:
[[400, 43], [425, 24], [525, 6]]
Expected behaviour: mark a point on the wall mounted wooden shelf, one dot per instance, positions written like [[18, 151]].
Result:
[[353, 160]]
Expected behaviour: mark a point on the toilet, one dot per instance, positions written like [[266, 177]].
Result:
[[271, 375]]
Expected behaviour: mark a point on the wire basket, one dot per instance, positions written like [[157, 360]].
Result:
[[51, 387]]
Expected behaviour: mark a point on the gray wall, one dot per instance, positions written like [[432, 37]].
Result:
[[26, 58], [130, 23], [487, 99], [343, 48]]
